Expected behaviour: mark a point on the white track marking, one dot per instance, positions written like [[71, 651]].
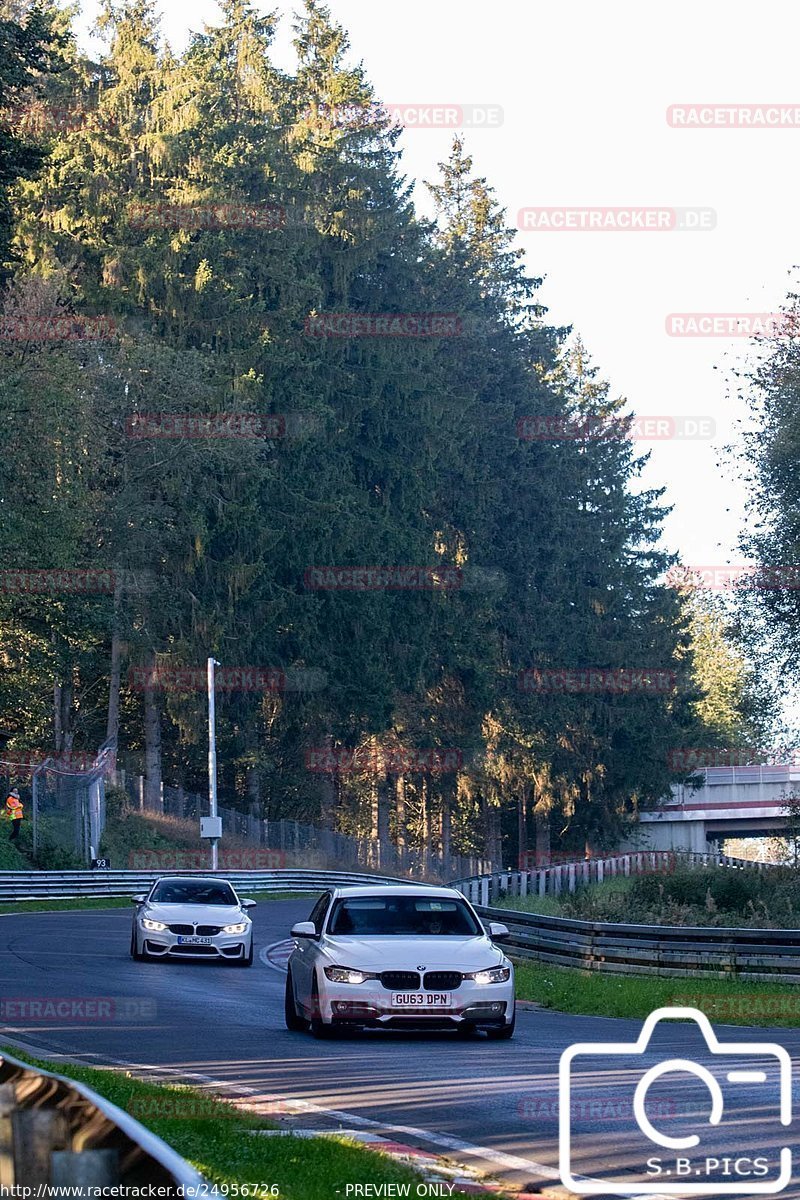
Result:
[[279, 949]]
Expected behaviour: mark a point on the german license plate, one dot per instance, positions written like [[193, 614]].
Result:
[[421, 1000], [194, 941]]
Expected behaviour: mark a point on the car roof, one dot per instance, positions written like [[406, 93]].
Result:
[[191, 879], [399, 890]]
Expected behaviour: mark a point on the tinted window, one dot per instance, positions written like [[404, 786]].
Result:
[[381, 916], [318, 913], [193, 892]]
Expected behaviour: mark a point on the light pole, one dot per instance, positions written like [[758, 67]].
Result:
[[212, 757]]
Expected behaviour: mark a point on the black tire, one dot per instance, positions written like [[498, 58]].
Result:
[[135, 955], [319, 1029], [504, 1033], [466, 1029], [244, 961], [294, 1022]]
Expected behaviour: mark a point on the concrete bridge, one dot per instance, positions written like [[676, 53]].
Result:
[[733, 802]]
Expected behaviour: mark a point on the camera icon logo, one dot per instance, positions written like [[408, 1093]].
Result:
[[690, 1175]]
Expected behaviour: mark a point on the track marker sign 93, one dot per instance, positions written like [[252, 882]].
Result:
[[700, 1157]]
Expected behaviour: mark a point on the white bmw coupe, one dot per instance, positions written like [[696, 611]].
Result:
[[189, 917], [398, 957]]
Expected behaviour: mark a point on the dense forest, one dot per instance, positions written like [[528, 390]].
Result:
[[255, 405]]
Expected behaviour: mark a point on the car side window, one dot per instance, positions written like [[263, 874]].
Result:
[[319, 911]]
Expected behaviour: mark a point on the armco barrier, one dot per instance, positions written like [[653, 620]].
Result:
[[67, 885], [756, 954], [58, 1132], [566, 877]]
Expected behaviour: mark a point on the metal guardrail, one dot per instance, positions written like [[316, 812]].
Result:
[[629, 949], [67, 885], [59, 1132], [754, 954], [566, 877]]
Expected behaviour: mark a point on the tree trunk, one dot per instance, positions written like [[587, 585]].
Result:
[[153, 796], [400, 817], [541, 822], [115, 668], [253, 781], [497, 840], [447, 800], [522, 826], [383, 815], [329, 804], [426, 826], [63, 734], [58, 733]]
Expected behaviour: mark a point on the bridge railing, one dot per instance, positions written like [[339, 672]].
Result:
[[566, 877]]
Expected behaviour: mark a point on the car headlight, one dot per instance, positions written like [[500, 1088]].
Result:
[[347, 975], [156, 926], [493, 975], [235, 928]]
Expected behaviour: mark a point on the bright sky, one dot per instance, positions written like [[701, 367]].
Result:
[[585, 88]]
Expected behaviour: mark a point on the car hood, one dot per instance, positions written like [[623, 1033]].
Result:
[[194, 914], [404, 954]]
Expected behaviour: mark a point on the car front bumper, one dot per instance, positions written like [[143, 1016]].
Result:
[[230, 946], [486, 1006]]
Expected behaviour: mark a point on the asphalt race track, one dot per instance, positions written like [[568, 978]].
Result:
[[499, 1098]]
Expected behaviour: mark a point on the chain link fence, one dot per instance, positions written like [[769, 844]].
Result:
[[63, 798], [301, 845]]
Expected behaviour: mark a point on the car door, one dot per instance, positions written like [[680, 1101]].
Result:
[[305, 956]]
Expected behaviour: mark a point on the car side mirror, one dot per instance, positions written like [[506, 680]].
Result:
[[247, 903], [138, 899], [498, 932], [304, 929]]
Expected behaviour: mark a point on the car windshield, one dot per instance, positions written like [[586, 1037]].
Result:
[[193, 892], [380, 916]]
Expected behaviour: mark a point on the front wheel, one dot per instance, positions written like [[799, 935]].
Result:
[[504, 1033], [135, 955], [294, 1022], [245, 960], [319, 1029]]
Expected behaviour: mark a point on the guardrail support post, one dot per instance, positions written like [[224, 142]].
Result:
[[7, 1105], [91, 1168], [37, 1132]]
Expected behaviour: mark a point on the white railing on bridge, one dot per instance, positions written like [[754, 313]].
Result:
[[566, 877]]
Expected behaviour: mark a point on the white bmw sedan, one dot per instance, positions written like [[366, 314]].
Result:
[[398, 957], [190, 917]]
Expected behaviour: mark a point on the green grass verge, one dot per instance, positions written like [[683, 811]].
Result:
[[80, 902], [563, 905], [595, 993], [11, 858], [220, 1140]]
